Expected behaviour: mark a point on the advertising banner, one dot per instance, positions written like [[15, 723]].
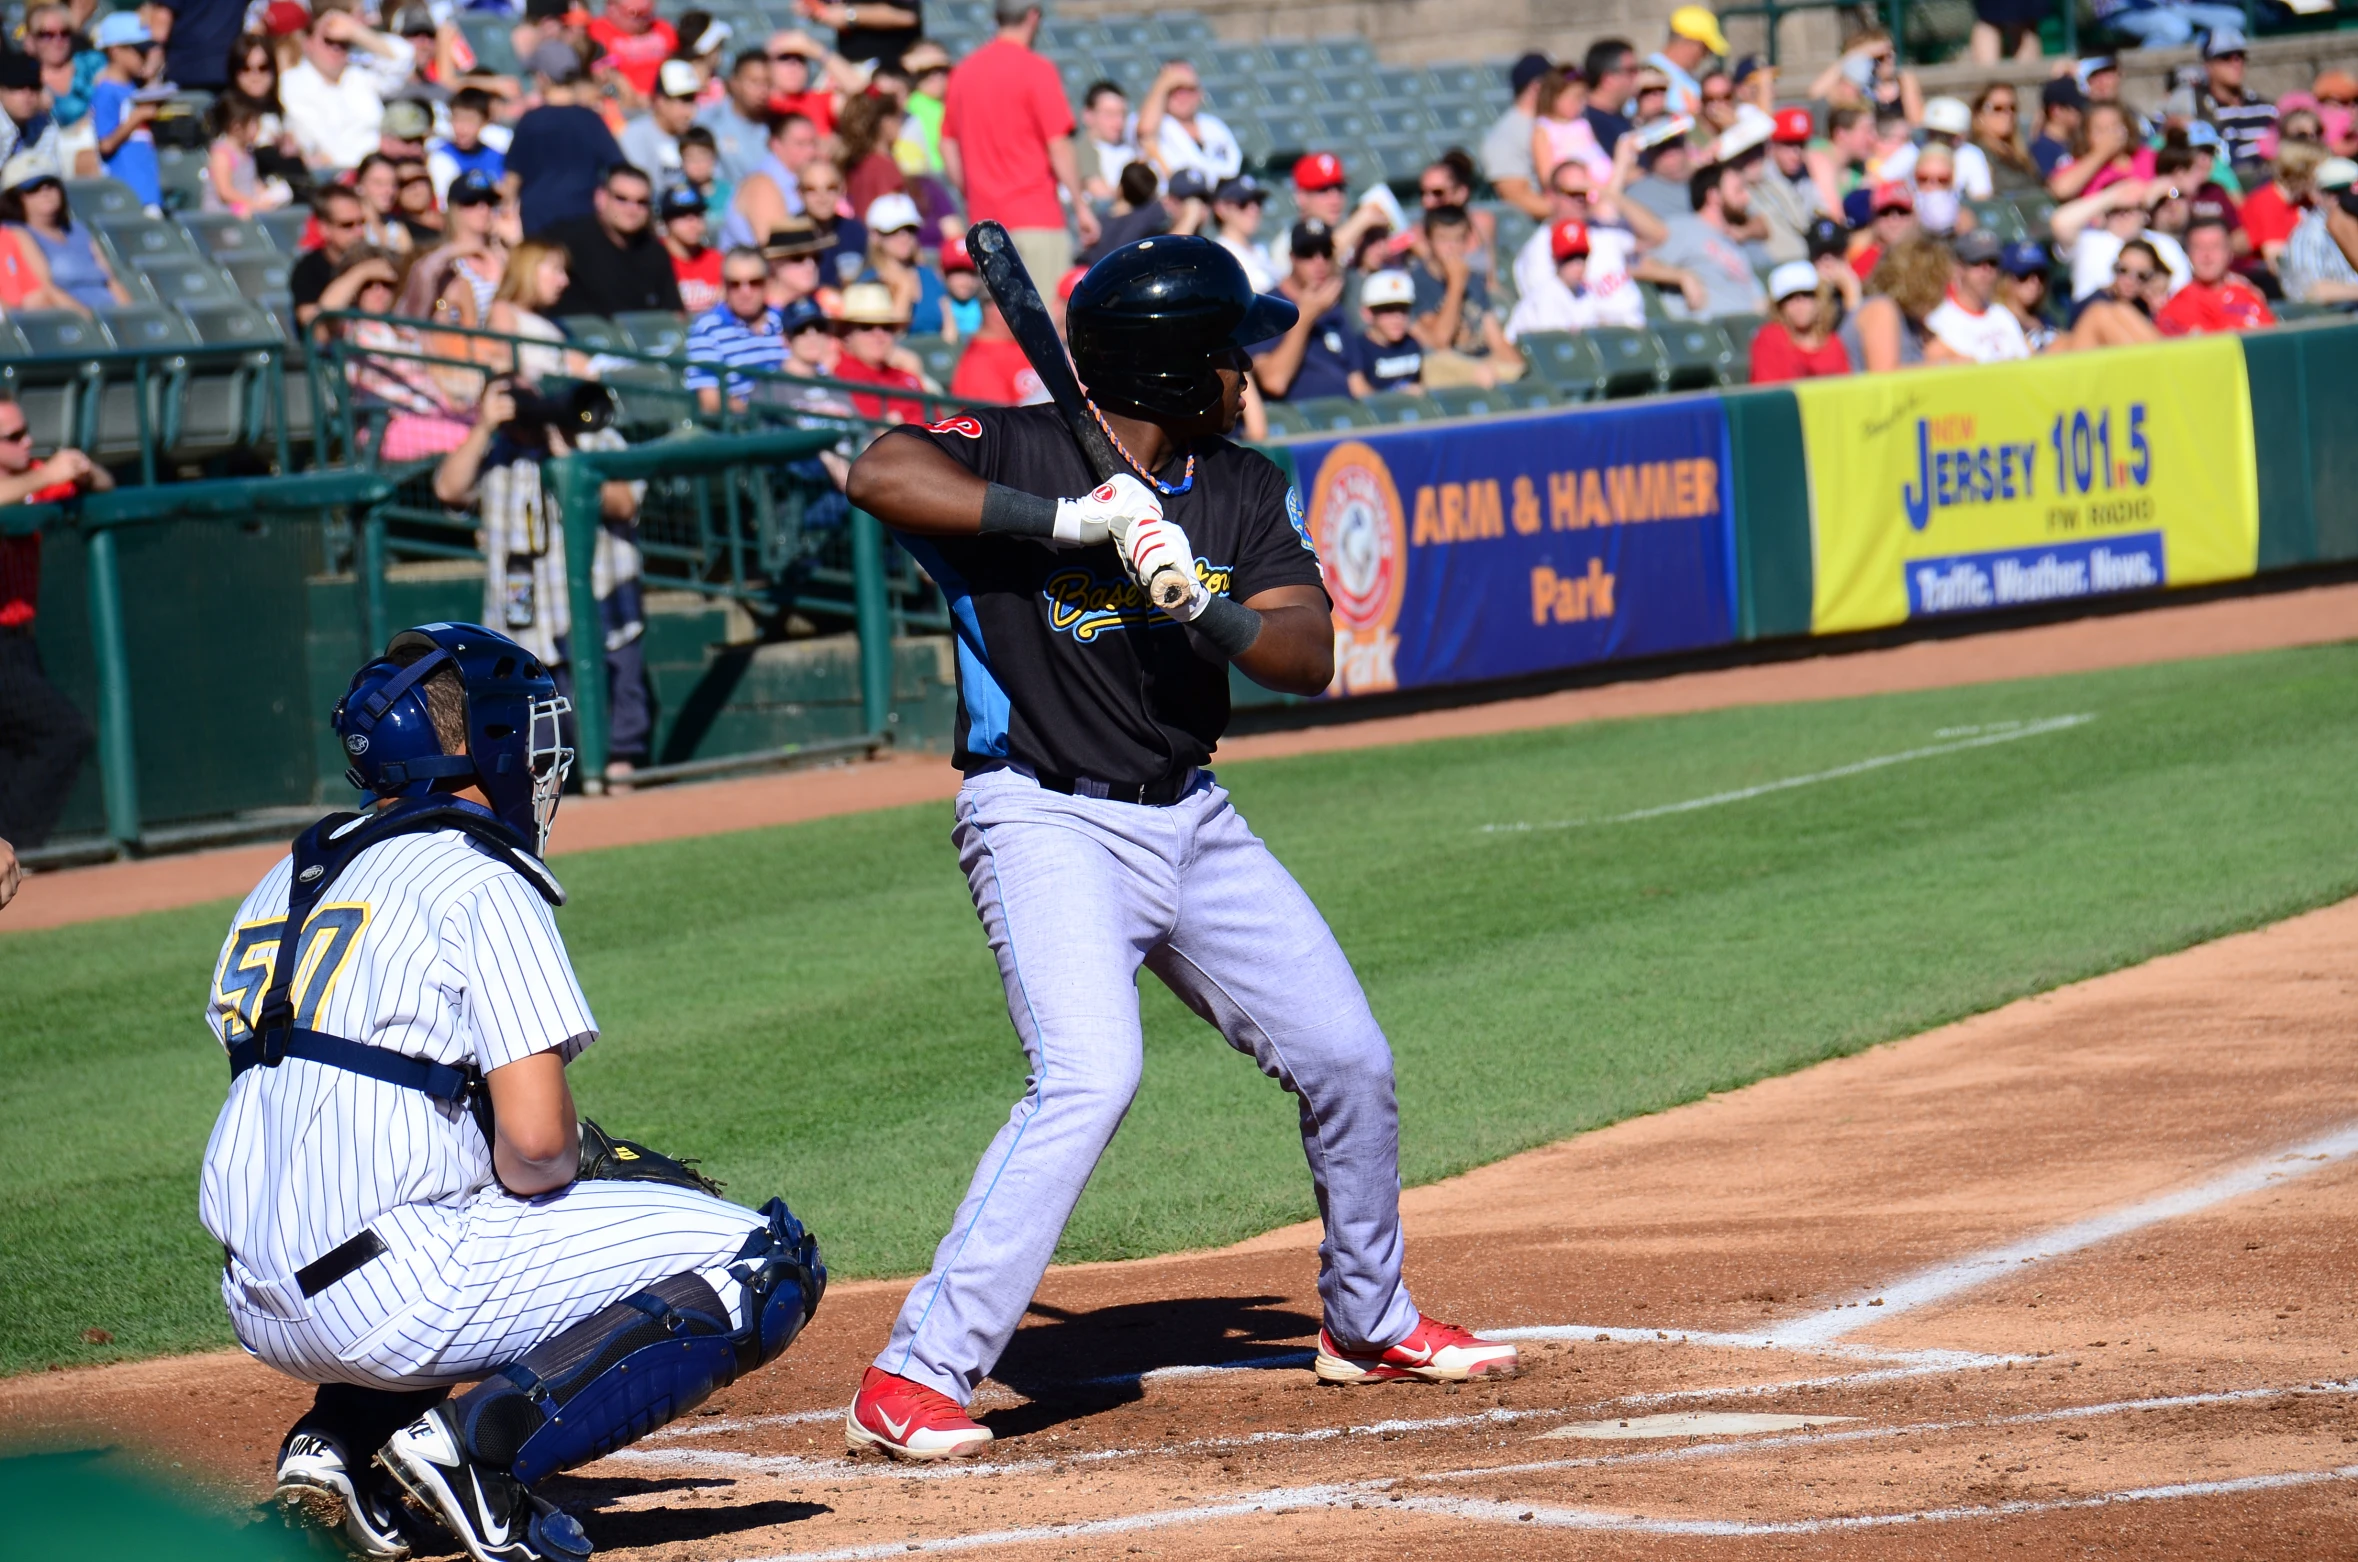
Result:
[[1476, 551], [1980, 487]]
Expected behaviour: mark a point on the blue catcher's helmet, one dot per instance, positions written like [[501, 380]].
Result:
[[516, 750]]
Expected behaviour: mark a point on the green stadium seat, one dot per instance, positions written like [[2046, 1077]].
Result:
[[939, 357], [1401, 117], [1632, 360], [1333, 414], [285, 227], [1395, 156], [260, 275], [1182, 29], [1128, 32], [1289, 57], [51, 385], [1655, 299], [2037, 212], [1290, 133], [140, 327], [1277, 91], [657, 332], [1402, 407], [1228, 62], [180, 280], [225, 325], [135, 240], [223, 236], [1345, 52], [1530, 394], [2000, 218], [1463, 81], [1284, 419], [1694, 354], [1458, 119], [593, 332], [180, 176], [1345, 127], [1567, 362], [1469, 401], [147, 327], [91, 199]]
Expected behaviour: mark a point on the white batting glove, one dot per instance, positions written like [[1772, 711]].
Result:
[[1150, 547], [1105, 512]]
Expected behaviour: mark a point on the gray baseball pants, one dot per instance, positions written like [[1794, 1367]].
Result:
[[1075, 893]]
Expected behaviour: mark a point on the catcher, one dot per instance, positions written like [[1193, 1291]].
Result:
[[403, 1195]]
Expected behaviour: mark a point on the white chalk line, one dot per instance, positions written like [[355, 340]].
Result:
[[1297, 1499], [1944, 1281], [1988, 739]]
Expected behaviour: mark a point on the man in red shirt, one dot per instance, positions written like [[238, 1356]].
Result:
[[637, 40], [1007, 143], [42, 735], [2217, 299], [993, 367], [870, 325]]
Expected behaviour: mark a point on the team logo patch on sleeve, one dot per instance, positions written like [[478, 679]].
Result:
[[1301, 523], [969, 427]]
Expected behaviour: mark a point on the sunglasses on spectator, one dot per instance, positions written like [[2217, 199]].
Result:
[[1434, 192], [51, 34], [790, 56], [1930, 182], [2137, 274], [1998, 106], [1719, 97], [12, 435], [760, 281]]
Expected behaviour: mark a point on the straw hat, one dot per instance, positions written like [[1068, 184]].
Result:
[[870, 303]]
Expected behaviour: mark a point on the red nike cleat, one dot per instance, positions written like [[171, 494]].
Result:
[[1434, 1352], [905, 1420]]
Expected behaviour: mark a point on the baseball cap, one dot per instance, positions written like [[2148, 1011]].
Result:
[[19, 72], [1527, 70], [1977, 248], [1891, 196], [282, 17], [2336, 173], [2203, 133], [2223, 41], [1189, 185], [1567, 239], [2334, 86], [2024, 258], [1311, 237], [412, 21], [474, 187], [1948, 116], [892, 212], [1318, 171], [1752, 128], [406, 119], [682, 200], [2093, 65], [1698, 22], [1793, 127], [956, 257], [26, 169], [121, 30], [2063, 92], [1387, 288], [556, 60], [678, 79], [800, 316], [1825, 236], [870, 303], [924, 57], [1242, 190], [1794, 276]]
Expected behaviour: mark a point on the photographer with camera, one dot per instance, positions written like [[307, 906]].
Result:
[[520, 426]]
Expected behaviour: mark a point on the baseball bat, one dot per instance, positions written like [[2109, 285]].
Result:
[[1027, 318]]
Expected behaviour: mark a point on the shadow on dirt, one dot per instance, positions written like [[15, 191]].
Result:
[[1076, 1364]]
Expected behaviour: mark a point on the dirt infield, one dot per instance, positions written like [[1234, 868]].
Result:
[[2306, 617], [2077, 1275]]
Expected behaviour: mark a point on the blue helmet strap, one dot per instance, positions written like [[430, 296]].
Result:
[[375, 706]]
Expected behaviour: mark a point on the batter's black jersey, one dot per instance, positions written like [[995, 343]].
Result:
[[1063, 664]]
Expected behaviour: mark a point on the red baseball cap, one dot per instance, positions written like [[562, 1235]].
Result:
[[1318, 171], [955, 257], [1568, 238], [1794, 127], [1891, 196], [284, 17]]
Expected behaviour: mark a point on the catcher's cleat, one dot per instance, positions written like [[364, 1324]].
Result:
[[489, 1510], [1434, 1352], [318, 1486], [905, 1420]]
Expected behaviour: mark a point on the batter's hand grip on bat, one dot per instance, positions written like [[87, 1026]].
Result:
[[1170, 587]]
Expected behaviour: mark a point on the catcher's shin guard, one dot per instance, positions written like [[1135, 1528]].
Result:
[[646, 1360]]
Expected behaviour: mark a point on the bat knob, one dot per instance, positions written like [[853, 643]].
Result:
[[1169, 588]]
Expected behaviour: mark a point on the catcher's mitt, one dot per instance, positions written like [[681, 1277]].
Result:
[[605, 1158]]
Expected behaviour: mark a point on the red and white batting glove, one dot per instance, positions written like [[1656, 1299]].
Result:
[[1105, 512], [1150, 547]]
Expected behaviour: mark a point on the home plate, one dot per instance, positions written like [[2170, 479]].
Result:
[[1694, 1423]]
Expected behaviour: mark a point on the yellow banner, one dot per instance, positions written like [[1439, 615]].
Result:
[[1982, 487]]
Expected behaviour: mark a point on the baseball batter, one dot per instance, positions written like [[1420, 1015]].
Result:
[[393, 1179], [1094, 840]]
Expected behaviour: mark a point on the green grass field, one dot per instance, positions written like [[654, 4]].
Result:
[[811, 1008]]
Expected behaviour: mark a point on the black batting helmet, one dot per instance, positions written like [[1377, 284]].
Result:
[[1148, 321]]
